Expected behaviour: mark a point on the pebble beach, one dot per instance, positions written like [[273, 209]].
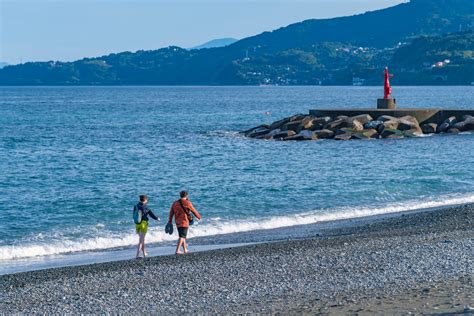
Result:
[[420, 262]]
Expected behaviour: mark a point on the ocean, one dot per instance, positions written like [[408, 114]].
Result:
[[73, 161]]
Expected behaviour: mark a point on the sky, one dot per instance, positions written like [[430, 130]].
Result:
[[43, 30]]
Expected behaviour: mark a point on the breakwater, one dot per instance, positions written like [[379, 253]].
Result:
[[365, 124]]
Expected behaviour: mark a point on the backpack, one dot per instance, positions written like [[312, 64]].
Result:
[[137, 215]]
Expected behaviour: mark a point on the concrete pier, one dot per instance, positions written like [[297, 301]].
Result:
[[386, 104], [437, 116]]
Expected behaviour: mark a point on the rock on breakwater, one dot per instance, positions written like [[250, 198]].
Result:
[[302, 127]]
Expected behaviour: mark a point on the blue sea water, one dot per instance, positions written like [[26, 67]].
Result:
[[73, 161]]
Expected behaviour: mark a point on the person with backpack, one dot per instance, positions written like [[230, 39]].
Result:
[[181, 210], [141, 211]]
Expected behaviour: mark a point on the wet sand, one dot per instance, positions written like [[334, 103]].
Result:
[[418, 262]]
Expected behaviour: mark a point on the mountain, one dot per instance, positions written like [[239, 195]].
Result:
[[2, 64], [428, 60], [438, 60], [338, 51], [221, 42], [381, 28]]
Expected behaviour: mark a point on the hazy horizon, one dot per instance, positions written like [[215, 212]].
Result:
[[70, 30]]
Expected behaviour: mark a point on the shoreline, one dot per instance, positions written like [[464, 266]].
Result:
[[406, 261], [84, 258], [202, 243]]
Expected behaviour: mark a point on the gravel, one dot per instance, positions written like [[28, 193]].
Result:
[[416, 262]]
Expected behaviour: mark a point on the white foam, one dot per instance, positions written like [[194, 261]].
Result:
[[219, 227], [426, 135]]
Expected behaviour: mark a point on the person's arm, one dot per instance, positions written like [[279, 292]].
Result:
[[153, 215], [192, 209], [170, 217]]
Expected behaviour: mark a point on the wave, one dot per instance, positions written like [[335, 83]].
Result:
[[223, 133], [216, 227]]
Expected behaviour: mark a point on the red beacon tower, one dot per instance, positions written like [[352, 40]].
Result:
[[387, 102], [387, 88]]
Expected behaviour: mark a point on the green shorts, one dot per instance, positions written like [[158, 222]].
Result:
[[142, 227]]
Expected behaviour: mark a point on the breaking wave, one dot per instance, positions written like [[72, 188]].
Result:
[[215, 227]]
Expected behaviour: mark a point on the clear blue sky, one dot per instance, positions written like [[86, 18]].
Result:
[[41, 30]]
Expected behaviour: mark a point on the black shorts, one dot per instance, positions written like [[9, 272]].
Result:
[[183, 232]]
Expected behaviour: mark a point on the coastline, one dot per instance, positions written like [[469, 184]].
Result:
[[323, 228], [411, 261]]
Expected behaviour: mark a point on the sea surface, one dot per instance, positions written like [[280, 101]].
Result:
[[73, 161]]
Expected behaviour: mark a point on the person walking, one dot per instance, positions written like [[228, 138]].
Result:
[[141, 211], [181, 211]]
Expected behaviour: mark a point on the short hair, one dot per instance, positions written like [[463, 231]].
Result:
[[183, 194], [143, 198]]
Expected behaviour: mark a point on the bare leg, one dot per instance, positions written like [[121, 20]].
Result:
[[180, 244], [145, 254], [185, 246], [139, 245]]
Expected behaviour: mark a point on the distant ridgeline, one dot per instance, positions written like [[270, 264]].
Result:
[[425, 42]]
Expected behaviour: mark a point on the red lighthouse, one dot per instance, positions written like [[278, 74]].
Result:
[[387, 87], [387, 102]]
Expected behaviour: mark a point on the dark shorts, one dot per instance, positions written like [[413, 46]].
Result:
[[183, 232]]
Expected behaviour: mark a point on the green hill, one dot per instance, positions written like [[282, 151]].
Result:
[[437, 60], [337, 51], [381, 28]]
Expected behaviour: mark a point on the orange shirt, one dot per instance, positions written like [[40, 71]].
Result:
[[180, 217]]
